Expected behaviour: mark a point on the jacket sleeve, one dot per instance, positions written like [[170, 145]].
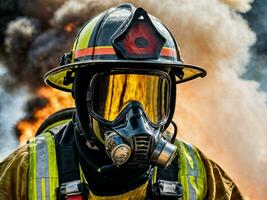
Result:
[[14, 175], [220, 185]]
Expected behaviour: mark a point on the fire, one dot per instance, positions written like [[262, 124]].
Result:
[[56, 100], [70, 27]]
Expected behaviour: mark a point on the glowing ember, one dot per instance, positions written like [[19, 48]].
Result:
[[56, 100], [70, 27]]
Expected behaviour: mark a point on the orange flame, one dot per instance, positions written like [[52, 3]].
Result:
[[56, 101]]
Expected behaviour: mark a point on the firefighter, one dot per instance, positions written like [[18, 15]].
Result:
[[122, 73]]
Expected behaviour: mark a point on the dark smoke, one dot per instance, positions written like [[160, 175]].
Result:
[[78, 12], [257, 68], [19, 35], [38, 9], [35, 36], [30, 108], [30, 44], [33, 105]]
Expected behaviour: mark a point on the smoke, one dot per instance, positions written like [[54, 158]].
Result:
[[78, 11], [10, 112], [239, 5], [223, 114], [19, 35], [257, 19], [30, 44]]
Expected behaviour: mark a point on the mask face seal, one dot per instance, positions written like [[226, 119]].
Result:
[[131, 108]]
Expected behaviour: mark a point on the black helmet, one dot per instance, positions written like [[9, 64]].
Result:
[[122, 35]]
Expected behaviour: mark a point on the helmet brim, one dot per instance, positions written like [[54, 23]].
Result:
[[184, 72]]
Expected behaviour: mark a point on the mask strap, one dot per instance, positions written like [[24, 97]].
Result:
[[170, 137]]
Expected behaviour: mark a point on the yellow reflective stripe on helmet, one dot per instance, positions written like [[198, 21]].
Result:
[[32, 193], [52, 164], [85, 34], [43, 175], [192, 173]]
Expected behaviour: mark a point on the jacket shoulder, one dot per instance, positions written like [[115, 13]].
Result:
[[220, 184], [14, 174]]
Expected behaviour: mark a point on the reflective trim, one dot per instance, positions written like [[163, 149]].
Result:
[[32, 193], [42, 167], [192, 171], [52, 164], [109, 50], [43, 189], [85, 34], [202, 180], [182, 174], [56, 127], [154, 177], [43, 174], [192, 174]]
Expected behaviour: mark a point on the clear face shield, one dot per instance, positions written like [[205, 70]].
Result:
[[133, 106]]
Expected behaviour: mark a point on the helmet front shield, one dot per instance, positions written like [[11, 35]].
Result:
[[113, 93]]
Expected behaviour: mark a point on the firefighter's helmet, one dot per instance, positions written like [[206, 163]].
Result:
[[122, 36], [122, 71]]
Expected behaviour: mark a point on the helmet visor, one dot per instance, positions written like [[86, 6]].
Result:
[[113, 92]]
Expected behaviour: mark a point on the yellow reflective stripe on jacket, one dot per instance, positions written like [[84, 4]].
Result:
[[32, 171], [192, 174], [43, 174], [52, 163]]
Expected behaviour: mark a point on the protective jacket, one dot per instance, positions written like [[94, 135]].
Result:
[[31, 172]]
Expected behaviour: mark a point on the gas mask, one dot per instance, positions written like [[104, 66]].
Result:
[[129, 109]]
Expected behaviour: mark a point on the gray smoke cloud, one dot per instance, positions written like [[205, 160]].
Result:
[[223, 114], [19, 35], [30, 44], [10, 112], [257, 69]]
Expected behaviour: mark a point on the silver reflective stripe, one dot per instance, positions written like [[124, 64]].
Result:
[[192, 172], [42, 173]]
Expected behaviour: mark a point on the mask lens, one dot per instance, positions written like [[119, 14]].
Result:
[[113, 92]]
